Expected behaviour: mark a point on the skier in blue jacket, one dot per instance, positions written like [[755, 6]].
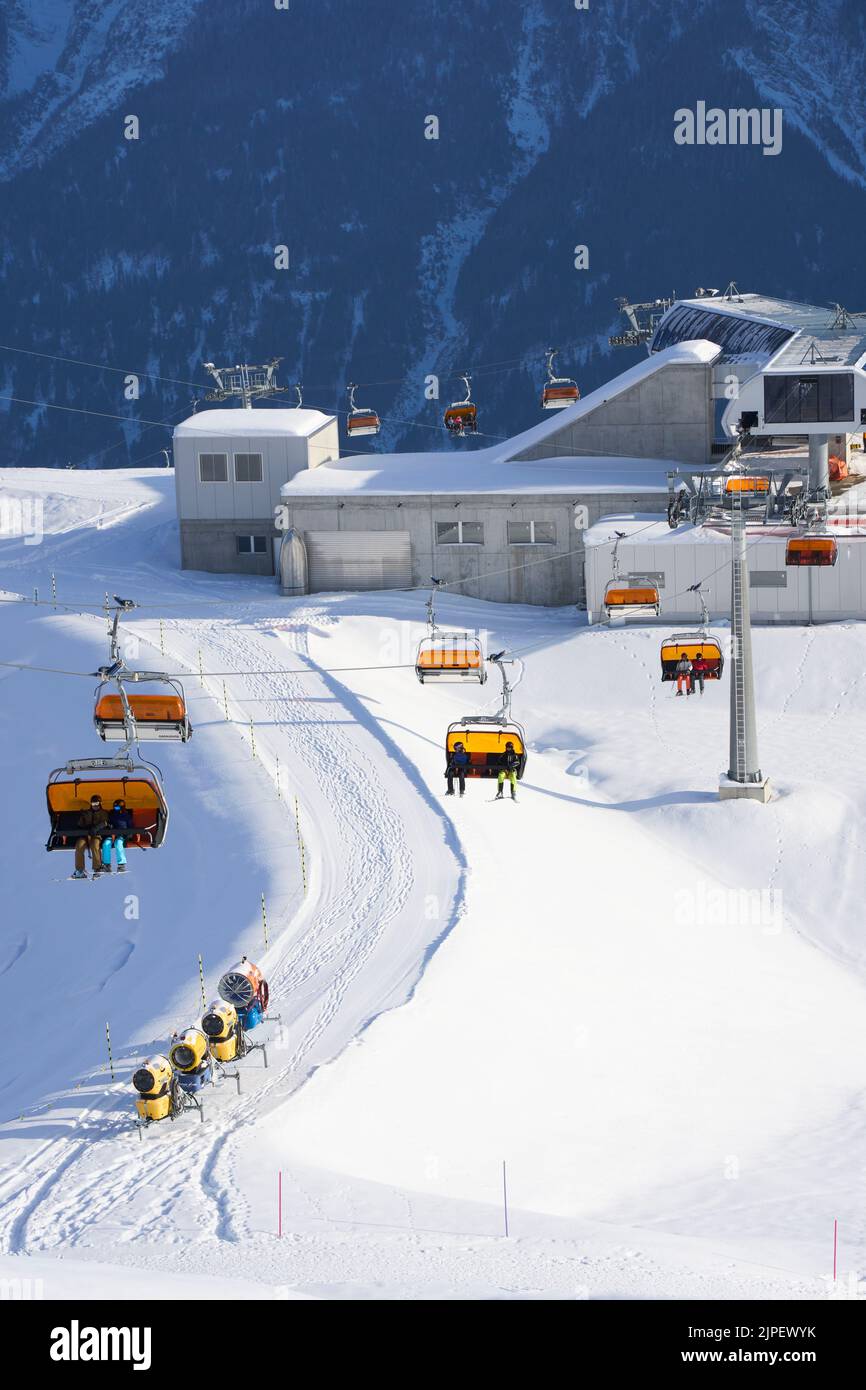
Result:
[[120, 825]]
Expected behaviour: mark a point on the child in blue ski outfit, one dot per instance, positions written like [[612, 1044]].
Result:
[[120, 824]]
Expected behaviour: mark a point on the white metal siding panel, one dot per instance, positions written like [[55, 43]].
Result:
[[358, 560]]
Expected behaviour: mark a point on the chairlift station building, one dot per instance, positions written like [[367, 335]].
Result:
[[508, 522]]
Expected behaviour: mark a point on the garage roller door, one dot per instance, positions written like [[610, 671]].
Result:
[[358, 560]]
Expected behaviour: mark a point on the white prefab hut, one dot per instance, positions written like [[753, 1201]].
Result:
[[230, 465]]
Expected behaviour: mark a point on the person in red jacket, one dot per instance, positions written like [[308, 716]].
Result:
[[700, 667]]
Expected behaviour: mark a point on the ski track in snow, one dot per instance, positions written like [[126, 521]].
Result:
[[368, 886]]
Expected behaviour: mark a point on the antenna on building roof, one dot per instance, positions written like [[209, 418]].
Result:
[[248, 382], [732, 292], [813, 353], [842, 317]]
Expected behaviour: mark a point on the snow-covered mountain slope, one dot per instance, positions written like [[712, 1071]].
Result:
[[408, 256], [647, 1003]]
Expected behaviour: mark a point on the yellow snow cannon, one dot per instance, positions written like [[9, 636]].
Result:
[[152, 1080], [220, 1023], [190, 1057]]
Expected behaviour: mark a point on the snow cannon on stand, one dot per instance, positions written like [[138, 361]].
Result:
[[190, 1056], [220, 1024], [245, 987], [154, 1081]]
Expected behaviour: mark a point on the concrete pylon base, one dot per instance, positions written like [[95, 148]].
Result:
[[730, 790]]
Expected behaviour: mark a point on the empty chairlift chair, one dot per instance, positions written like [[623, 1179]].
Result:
[[631, 598], [160, 715], [450, 656], [361, 420], [811, 550], [558, 391]]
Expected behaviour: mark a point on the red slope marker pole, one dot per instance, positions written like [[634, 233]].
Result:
[[280, 1203], [835, 1246]]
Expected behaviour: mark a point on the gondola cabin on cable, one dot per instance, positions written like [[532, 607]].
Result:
[[361, 420], [487, 746], [69, 794], [461, 417], [811, 550], [558, 391], [695, 646], [631, 598], [160, 715], [450, 657]]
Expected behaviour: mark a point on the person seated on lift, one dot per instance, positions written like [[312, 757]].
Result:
[[508, 768], [120, 827], [458, 762], [95, 824], [684, 675]]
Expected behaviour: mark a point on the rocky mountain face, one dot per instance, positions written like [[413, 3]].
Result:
[[306, 126]]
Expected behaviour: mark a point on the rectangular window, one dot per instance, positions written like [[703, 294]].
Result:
[[654, 577], [459, 533], [531, 533], [248, 468], [252, 545], [804, 399], [213, 468], [768, 579]]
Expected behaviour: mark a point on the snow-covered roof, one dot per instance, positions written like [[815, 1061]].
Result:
[[243, 423], [694, 353], [759, 327], [388, 475]]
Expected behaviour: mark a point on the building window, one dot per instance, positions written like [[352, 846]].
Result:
[[768, 579], [248, 468], [801, 399], [531, 533], [213, 468], [459, 533], [252, 545]]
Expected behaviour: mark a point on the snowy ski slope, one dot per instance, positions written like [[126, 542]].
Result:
[[649, 1004]]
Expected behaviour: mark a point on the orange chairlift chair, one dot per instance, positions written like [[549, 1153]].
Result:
[[558, 391], [448, 656], [361, 420], [461, 417], [485, 736]]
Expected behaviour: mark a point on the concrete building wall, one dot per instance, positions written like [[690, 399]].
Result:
[[668, 415], [282, 457], [212, 545], [496, 571], [783, 594]]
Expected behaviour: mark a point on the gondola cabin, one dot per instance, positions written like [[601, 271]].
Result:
[[455, 657], [462, 419], [811, 550], [558, 396], [692, 645], [626, 600], [68, 796], [161, 716], [486, 746], [363, 422]]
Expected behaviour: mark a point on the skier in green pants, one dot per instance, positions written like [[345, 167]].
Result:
[[510, 764]]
